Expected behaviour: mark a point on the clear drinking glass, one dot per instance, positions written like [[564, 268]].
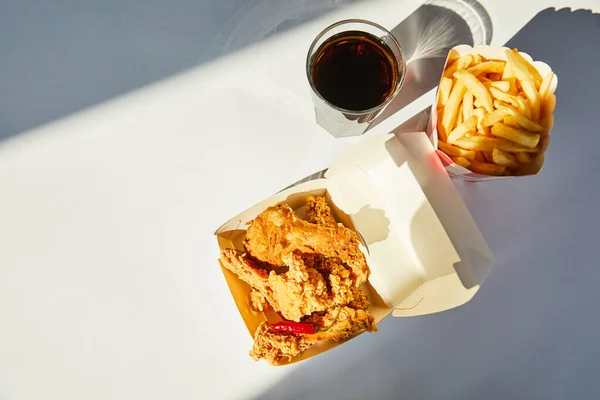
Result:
[[354, 68]]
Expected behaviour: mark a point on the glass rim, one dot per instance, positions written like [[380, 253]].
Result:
[[360, 21]]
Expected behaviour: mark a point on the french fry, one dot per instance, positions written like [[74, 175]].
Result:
[[519, 69], [479, 113], [505, 97], [444, 91], [496, 116], [459, 120], [460, 64], [513, 86], [487, 67], [451, 107], [523, 158], [518, 136], [476, 87], [545, 86], [485, 131], [483, 79], [508, 73], [511, 121], [467, 103], [469, 126], [503, 158], [532, 70], [479, 157], [500, 85], [547, 123], [487, 168], [533, 98], [442, 134], [523, 107], [463, 162], [522, 120], [495, 77], [454, 151], [549, 105], [484, 143]]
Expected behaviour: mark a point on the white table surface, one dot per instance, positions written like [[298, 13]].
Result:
[[109, 286]]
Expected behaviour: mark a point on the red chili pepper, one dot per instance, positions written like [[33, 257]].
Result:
[[293, 327], [301, 327]]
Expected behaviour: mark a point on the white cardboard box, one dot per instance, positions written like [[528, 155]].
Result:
[[424, 250]]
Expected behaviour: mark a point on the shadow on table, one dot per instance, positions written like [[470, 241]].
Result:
[[514, 340], [426, 36], [64, 56]]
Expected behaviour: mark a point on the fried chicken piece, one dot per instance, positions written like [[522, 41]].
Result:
[[360, 300], [275, 234], [349, 322], [298, 292], [276, 346], [257, 301], [319, 212]]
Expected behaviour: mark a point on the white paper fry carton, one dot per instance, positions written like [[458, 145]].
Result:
[[491, 53], [424, 250]]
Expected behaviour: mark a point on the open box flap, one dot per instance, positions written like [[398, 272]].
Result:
[[402, 177]]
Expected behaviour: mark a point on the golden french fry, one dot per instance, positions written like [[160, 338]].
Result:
[[549, 105], [545, 86], [456, 151], [533, 99], [476, 87], [532, 70], [503, 158], [495, 77], [459, 120], [547, 122], [479, 157], [485, 131], [500, 85], [461, 130], [451, 107], [479, 113], [467, 103], [505, 97], [522, 120], [484, 143], [523, 158], [487, 168], [483, 79], [518, 136], [463, 162], [519, 69], [544, 143], [493, 117], [460, 64], [444, 91], [477, 59], [508, 71], [442, 133], [511, 121], [513, 86], [523, 107], [487, 67]]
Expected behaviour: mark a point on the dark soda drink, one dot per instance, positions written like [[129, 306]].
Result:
[[355, 71]]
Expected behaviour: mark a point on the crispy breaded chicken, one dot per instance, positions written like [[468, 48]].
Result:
[[343, 323], [308, 272], [319, 212], [275, 234], [300, 291]]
